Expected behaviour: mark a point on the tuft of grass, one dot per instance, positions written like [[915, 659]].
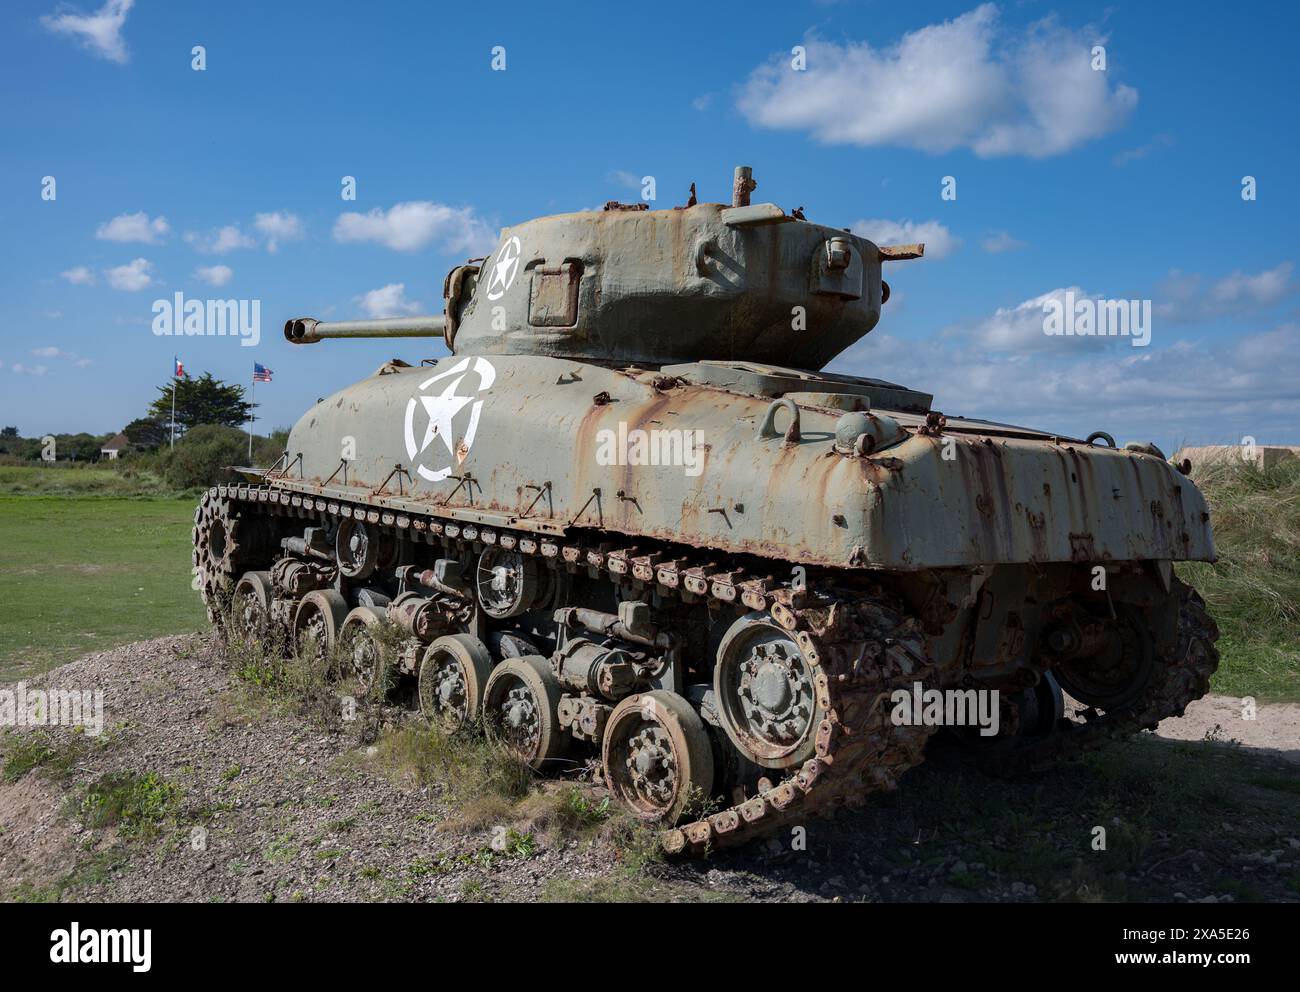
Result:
[[1253, 590], [311, 683], [97, 869], [637, 845], [483, 783], [580, 812], [514, 844], [299, 680], [53, 754], [137, 804]]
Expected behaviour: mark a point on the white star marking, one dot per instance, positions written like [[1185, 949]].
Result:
[[442, 412], [442, 409], [503, 270]]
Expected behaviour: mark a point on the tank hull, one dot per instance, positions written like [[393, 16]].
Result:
[[556, 446]]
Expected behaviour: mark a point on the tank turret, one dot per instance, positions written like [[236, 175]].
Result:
[[631, 286]]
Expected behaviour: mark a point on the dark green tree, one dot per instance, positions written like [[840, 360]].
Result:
[[81, 447], [11, 443], [204, 400], [148, 432]]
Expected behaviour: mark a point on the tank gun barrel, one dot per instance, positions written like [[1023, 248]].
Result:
[[309, 330]]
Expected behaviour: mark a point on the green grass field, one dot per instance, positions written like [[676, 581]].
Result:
[[63, 480], [82, 573]]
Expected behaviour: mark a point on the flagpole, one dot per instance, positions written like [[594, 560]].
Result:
[[252, 392], [173, 444]]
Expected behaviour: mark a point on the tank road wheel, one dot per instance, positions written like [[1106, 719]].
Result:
[[316, 624], [356, 550], [453, 676], [657, 756], [519, 709], [1117, 675], [766, 692], [250, 607], [365, 655], [507, 582]]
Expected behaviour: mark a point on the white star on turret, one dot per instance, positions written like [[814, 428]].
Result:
[[503, 270], [442, 410]]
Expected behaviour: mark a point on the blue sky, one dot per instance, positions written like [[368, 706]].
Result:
[[1122, 184]]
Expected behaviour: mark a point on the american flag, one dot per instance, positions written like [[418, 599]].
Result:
[[261, 373], [180, 369]]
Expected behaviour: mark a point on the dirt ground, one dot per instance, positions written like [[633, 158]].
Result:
[[237, 796], [1274, 728]]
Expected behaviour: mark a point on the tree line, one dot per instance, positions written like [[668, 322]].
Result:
[[208, 418], [201, 401]]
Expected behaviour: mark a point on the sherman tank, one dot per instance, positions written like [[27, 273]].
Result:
[[630, 525]]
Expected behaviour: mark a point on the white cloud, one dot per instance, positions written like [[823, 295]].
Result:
[[388, 301], [702, 102], [1142, 151], [214, 275], [621, 177], [1198, 392], [222, 240], [411, 226], [1184, 297], [938, 240], [1261, 290], [101, 32], [134, 276], [1019, 329], [277, 227], [966, 82], [18, 368], [133, 227], [52, 352], [51, 314], [1000, 241], [79, 275]]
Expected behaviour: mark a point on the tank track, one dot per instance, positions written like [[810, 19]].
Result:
[[215, 555], [1182, 676], [862, 648], [863, 651]]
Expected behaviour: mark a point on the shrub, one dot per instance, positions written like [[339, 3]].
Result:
[[201, 457]]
